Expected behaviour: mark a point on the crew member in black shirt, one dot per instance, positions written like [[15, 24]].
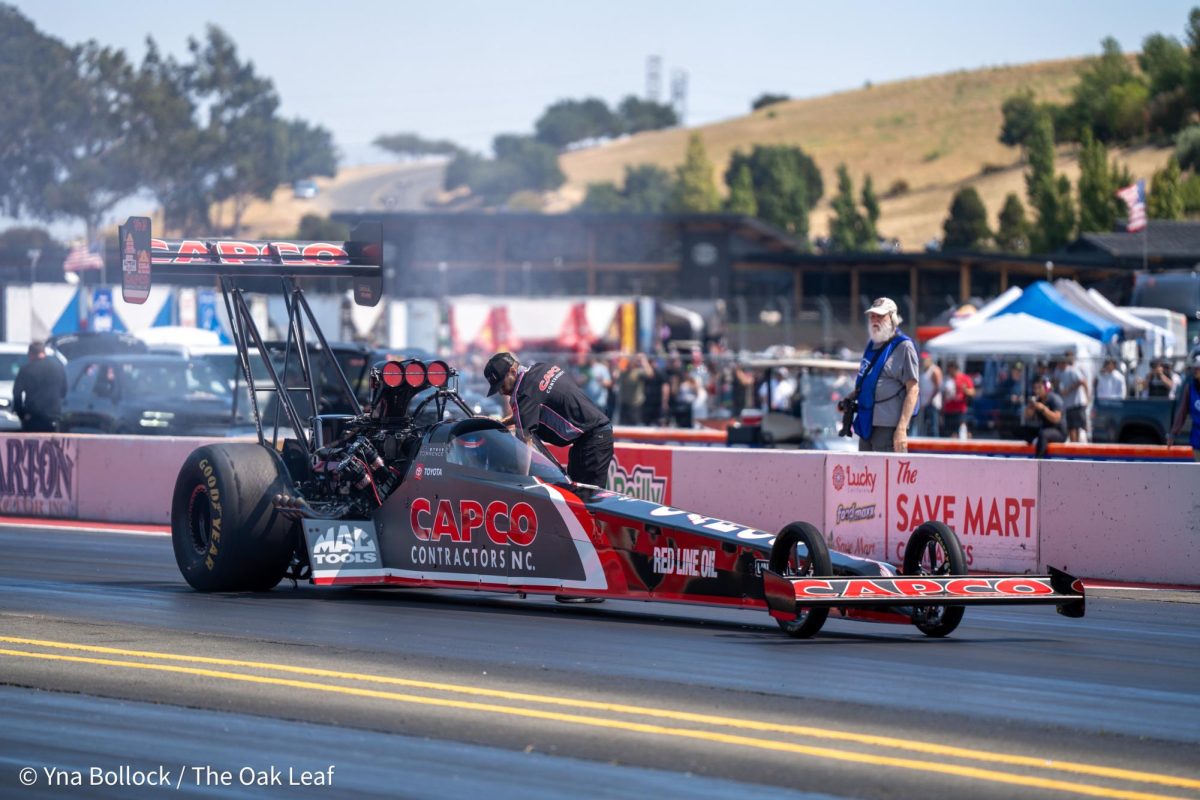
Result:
[[546, 403], [39, 390]]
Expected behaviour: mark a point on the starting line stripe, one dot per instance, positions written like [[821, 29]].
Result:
[[928, 748], [82, 526]]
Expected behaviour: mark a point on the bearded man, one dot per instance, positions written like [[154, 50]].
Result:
[[887, 385]]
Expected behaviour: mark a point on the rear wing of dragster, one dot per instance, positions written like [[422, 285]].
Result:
[[785, 594], [141, 255]]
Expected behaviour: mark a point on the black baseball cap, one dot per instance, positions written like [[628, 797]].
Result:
[[497, 367]]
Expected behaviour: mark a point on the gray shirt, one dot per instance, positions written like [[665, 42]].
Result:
[[901, 367], [1072, 385]]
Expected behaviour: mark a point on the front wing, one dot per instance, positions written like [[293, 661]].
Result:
[[786, 594]]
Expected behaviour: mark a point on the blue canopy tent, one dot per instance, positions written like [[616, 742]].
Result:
[[1043, 301]]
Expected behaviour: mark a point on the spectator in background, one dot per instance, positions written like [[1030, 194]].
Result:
[[957, 391], [1189, 407], [887, 386], [1110, 383], [775, 393], [930, 396], [631, 389], [658, 395], [1044, 417], [38, 391], [598, 380], [1073, 388], [741, 390], [1162, 381]]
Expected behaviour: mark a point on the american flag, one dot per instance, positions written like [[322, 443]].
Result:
[[1134, 196], [81, 257]]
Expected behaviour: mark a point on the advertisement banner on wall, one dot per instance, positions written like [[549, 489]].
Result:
[[856, 505], [993, 511], [38, 476], [641, 471]]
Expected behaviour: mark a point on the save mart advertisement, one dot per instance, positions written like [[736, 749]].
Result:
[[873, 503]]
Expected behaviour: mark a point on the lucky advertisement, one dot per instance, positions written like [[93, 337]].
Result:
[[873, 503], [38, 476]]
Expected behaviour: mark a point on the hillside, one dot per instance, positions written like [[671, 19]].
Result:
[[938, 134]]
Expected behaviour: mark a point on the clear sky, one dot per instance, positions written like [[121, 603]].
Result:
[[469, 70]]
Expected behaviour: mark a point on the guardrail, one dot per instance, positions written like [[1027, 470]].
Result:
[[975, 447], [1125, 521]]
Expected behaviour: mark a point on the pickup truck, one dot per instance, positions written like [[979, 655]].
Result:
[[1134, 420]]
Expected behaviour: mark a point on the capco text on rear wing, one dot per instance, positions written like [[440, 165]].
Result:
[[359, 258]]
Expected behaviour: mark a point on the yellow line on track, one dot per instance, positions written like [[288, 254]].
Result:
[[615, 724], [929, 748]]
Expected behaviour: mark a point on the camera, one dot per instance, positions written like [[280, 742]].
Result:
[[848, 405]]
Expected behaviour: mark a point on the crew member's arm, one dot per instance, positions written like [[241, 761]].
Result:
[[19, 395], [900, 439]]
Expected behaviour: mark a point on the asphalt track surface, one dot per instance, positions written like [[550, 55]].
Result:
[[112, 668]]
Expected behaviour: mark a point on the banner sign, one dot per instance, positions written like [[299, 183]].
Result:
[[38, 476], [873, 503]]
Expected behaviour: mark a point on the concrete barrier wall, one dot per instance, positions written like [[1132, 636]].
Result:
[[1129, 522], [762, 488], [130, 479], [1118, 521]]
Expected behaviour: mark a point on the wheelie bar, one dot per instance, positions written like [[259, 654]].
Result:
[[786, 594]]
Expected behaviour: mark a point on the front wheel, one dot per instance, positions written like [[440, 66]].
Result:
[[800, 550], [933, 550], [227, 535]]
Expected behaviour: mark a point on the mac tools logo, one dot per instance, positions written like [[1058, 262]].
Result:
[[643, 483], [345, 544]]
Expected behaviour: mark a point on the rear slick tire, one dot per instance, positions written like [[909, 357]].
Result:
[[789, 560], [933, 550], [227, 535]]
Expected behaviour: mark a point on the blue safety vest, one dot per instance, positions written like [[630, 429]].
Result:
[[869, 370]]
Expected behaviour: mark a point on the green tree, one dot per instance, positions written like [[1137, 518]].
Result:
[[1189, 192], [695, 191], [635, 115], [741, 198], [648, 189], [310, 151], [1110, 96], [1012, 233], [16, 243], [570, 121], [967, 227], [1020, 113], [37, 77], [1049, 196], [1096, 211], [249, 156], [603, 198], [409, 145], [1165, 62], [848, 227], [787, 184], [767, 99], [1192, 35], [99, 167], [521, 164], [316, 228], [870, 203], [1165, 200], [1187, 148]]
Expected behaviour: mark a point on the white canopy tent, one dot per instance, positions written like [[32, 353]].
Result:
[[988, 310], [1015, 335]]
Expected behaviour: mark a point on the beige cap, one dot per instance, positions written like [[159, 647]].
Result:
[[882, 306]]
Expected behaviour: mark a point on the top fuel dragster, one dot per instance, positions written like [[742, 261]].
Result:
[[413, 490]]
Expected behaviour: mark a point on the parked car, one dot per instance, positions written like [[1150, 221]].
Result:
[[149, 394], [304, 189]]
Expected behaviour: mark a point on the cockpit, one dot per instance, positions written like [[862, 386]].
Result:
[[499, 452]]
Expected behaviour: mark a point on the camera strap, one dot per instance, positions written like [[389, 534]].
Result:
[[863, 373]]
